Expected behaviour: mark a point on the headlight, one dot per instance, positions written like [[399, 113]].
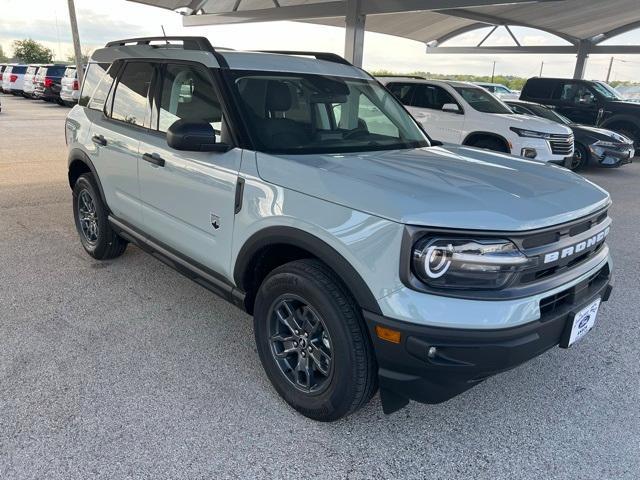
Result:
[[455, 263], [604, 144], [530, 133]]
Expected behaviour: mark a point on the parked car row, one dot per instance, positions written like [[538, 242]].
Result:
[[470, 114], [56, 83]]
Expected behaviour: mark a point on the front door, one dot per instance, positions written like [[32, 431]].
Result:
[[188, 198], [578, 102], [426, 107]]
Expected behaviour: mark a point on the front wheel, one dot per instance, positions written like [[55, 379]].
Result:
[[580, 158], [312, 341]]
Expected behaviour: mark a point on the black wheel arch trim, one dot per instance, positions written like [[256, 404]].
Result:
[[317, 247], [621, 118], [77, 155], [497, 136]]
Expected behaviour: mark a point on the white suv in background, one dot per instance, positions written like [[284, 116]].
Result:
[[499, 90], [463, 113]]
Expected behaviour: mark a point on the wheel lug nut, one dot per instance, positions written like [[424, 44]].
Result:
[[310, 349], [295, 344], [306, 334], [304, 354], [297, 332]]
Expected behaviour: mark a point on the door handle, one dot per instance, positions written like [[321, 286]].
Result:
[[154, 159], [99, 140]]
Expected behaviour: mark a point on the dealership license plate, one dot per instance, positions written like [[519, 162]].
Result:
[[583, 322]]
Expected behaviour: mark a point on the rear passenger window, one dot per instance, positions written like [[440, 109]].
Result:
[[130, 103], [431, 96], [539, 88], [188, 94], [93, 77]]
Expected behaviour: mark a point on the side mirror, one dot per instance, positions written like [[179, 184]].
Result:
[[451, 108], [194, 137]]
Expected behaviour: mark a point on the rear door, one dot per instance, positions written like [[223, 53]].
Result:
[[188, 198], [121, 115]]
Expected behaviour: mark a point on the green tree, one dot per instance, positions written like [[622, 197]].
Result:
[[30, 51], [3, 57], [71, 58]]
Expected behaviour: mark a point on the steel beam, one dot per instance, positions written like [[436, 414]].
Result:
[[354, 34], [551, 49], [334, 9], [584, 48]]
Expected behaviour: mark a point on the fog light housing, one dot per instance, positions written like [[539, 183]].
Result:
[[529, 153]]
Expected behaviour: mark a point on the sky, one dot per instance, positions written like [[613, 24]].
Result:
[[103, 20]]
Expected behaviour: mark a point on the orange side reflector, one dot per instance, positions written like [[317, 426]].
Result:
[[387, 334]]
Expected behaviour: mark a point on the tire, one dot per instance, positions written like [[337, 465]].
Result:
[[336, 329], [96, 235], [489, 143], [580, 158]]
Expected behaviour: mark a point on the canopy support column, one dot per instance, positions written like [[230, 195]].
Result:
[[584, 48], [354, 34]]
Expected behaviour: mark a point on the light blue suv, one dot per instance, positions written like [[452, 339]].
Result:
[[297, 187]]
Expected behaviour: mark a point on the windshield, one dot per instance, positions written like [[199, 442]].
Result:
[[300, 113], [607, 91], [481, 100]]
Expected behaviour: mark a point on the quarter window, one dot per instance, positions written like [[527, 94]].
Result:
[[431, 96], [130, 100], [188, 94], [95, 86]]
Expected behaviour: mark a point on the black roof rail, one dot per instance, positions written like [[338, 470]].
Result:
[[329, 57], [188, 43], [397, 75]]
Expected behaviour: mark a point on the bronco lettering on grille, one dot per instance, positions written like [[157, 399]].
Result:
[[577, 248]]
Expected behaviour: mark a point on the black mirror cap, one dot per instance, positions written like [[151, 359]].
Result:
[[193, 136]]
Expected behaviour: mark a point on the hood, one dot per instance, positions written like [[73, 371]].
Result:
[[529, 122], [598, 134], [450, 186]]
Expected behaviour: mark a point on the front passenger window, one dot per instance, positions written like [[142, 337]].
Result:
[[188, 94]]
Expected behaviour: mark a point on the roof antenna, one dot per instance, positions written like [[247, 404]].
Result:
[[164, 34]]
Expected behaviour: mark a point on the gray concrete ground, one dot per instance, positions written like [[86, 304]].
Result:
[[125, 369]]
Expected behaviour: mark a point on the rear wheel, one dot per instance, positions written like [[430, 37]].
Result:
[[92, 223], [490, 143], [580, 158], [312, 341]]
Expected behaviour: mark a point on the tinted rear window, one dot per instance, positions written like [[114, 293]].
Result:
[[541, 88], [19, 69], [56, 71]]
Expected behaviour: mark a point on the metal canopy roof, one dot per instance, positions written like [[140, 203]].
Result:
[[582, 23]]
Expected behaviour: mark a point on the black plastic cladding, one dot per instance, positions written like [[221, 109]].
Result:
[[533, 243]]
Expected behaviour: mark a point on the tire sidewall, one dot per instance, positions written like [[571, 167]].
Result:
[[585, 158], [337, 396], [86, 182]]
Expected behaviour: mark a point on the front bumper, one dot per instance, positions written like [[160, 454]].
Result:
[[609, 157], [413, 370]]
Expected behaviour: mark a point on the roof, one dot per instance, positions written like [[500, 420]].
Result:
[[155, 48], [573, 20]]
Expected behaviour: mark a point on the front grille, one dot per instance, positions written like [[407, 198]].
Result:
[[561, 144], [570, 296], [573, 244]]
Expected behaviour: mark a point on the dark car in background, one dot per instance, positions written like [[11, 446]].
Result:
[[587, 103], [592, 145], [49, 83]]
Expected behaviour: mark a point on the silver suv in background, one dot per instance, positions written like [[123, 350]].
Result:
[[298, 188]]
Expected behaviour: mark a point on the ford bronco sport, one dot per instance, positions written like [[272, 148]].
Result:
[[297, 187]]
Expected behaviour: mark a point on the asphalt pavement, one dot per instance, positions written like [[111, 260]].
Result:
[[127, 370]]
